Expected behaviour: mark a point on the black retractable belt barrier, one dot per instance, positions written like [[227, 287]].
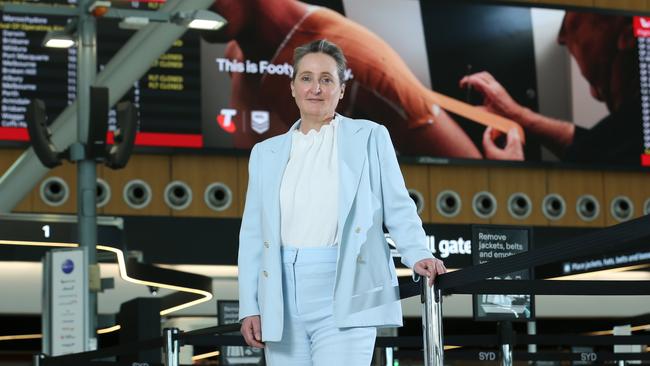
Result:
[[493, 355], [213, 336], [408, 288], [219, 329], [552, 287], [594, 357], [625, 235], [119, 363], [84, 357], [207, 336], [208, 340], [472, 280], [490, 340], [581, 340]]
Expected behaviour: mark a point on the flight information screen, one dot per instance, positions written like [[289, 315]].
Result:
[[448, 79], [167, 96], [31, 71]]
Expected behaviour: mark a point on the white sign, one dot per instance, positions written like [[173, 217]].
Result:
[[68, 302]]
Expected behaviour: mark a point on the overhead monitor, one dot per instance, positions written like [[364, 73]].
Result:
[[572, 82]]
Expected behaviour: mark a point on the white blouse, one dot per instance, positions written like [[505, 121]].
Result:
[[309, 190]]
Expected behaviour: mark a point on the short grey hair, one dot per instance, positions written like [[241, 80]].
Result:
[[321, 46]]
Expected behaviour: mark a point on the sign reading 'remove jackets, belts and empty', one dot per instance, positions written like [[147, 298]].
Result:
[[489, 243]]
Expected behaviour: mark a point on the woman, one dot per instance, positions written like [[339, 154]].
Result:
[[315, 273]]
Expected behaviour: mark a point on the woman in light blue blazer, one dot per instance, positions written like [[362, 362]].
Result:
[[316, 277]]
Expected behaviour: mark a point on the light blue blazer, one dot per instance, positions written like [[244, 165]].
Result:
[[371, 193]]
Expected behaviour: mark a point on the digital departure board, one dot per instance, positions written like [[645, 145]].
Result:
[[32, 71], [167, 96]]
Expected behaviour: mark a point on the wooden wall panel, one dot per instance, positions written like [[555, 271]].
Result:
[[504, 182], [417, 177], [7, 158], [633, 5], [635, 185], [582, 3], [572, 184], [68, 173], [466, 181], [153, 169], [201, 171]]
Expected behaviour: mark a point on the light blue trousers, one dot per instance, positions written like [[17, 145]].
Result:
[[310, 337]]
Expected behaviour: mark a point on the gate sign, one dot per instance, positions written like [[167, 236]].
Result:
[[494, 242]]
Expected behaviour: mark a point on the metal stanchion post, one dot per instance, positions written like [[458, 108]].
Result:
[[38, 358], [506, 338], [432, 324], [171, 346], [532, 348], [506, 355]]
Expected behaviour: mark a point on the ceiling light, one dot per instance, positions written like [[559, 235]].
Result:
[[58, 39], [200, 19]]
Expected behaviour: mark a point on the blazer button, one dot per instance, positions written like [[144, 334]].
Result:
[[359, 259], [266, 243], [357, 230], [265, 273]]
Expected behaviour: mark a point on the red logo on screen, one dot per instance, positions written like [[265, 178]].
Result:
[[225, 120], [645, 159], [642, 26]]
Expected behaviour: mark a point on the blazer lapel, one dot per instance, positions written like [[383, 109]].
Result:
[[275, 161], [351, 157]]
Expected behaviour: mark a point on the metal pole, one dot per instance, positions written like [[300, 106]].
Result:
[[432, 325], [86, 168], [171, 347], [38, 358], [532, 330], [506, 338], [506, 355], [432, 322]]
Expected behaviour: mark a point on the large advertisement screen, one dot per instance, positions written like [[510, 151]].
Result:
[[451, 80]]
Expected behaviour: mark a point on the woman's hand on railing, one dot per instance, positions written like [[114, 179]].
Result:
[[430, 267]]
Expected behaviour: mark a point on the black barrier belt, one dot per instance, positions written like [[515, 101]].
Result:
[[595, 357], [477, 355], [215, 334], [120, 363], [455, 340], [408, 288], [621, 236], [581, 340], [124, 363], [204, 340], [84, 357], [552, 287], [481, 340], [219, 329]]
